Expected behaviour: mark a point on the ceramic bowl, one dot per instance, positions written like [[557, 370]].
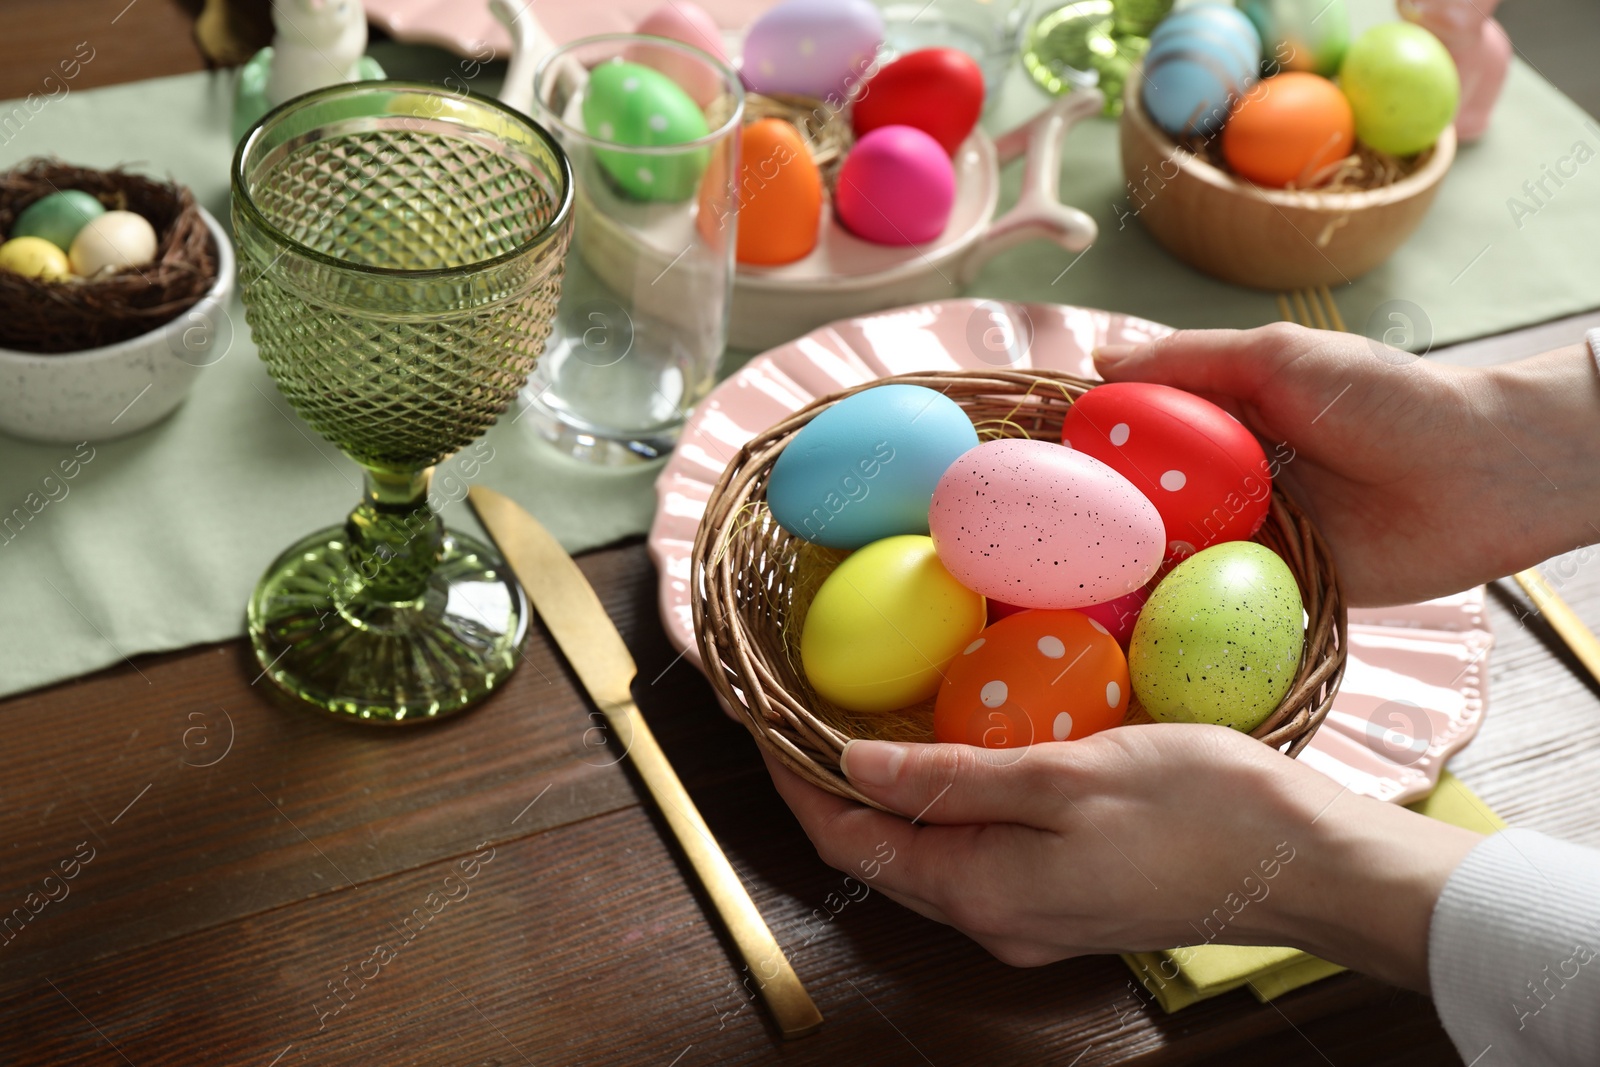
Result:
[[101, 393], [1266, 238]]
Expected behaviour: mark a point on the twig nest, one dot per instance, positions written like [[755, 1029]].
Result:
[[141, 244]]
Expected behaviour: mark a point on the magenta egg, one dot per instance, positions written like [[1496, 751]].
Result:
[[896, 187], [1037, 525]]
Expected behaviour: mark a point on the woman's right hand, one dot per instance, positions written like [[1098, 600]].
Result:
[[1424, 478]]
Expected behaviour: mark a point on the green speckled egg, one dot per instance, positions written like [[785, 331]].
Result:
[[58, 217], [1219, 640], [632, 104]]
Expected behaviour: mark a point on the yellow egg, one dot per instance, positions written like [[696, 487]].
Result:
[[115, 240], [34, 257], [884, 625]]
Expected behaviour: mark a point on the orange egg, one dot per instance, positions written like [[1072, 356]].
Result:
[[1288, 130], [1034, 676], [779, 193]]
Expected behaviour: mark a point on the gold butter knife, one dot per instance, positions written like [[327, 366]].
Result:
[[576, 619], [1562, 619]]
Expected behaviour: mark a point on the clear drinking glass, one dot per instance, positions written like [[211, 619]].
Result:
[[400, 257], [989, 31], [644, 315]]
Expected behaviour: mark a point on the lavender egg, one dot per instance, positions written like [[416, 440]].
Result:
[[1039, 525], [817, 48]]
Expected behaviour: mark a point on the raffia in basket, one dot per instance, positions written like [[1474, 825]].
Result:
[[752, 582]]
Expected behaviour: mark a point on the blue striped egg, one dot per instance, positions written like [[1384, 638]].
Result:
[[1222, 20], [1224, 32], [1201, 61]]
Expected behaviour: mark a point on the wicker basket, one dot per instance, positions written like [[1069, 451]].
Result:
[[752, 582]]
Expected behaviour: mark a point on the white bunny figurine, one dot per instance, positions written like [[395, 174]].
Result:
[[318, 43]]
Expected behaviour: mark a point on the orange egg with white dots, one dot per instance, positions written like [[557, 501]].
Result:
[[1289, 130], [1031, 677]]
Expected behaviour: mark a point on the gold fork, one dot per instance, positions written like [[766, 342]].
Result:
[[1314, 307]]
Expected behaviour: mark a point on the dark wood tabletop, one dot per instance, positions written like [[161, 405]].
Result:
[[236, 860]]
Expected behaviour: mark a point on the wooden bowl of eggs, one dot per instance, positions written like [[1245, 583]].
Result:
[[113, 293], [975, 557], [1291, 180]]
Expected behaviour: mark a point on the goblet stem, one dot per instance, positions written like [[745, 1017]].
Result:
[[396, 539]]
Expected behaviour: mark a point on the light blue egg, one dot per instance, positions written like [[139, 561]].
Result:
[[1222, 22], [1201, 61], [1186, 96], [1219, 33], [1233, 57], [866, 468]]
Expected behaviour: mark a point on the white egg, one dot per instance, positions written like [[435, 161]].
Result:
[[115, 240]]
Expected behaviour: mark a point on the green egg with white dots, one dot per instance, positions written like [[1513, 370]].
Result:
[[1219, 640], [631, 104]]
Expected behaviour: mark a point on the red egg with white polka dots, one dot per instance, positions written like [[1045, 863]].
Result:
[[999, 609], [1117, 616], [1034, 676], [1204, 472]]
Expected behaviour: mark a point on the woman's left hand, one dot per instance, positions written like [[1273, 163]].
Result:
[[1143, 837]]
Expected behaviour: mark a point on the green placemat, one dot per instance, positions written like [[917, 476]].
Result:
[[162, 536]]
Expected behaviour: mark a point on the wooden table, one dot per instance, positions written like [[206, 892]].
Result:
[[238, 860]]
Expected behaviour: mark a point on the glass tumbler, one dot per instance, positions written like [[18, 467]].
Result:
[[989, 31], [643, 318]]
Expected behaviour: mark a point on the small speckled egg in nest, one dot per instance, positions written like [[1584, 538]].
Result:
[[1220, 639], [1038, 525]]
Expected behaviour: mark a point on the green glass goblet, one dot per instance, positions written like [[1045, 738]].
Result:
[[400, 259], [1094, 43]]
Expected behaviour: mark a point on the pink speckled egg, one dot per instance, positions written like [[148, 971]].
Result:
[[895, 187], [1041, 526], [686, 22]]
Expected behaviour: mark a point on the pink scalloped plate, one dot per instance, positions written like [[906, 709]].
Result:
[[1414, 691]]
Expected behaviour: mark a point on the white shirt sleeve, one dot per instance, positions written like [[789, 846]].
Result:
[[1514, 953]]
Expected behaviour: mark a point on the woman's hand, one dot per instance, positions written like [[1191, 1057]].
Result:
[[1143, 837], [1424, 478]]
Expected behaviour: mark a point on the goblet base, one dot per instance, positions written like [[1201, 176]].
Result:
[[321, 634]]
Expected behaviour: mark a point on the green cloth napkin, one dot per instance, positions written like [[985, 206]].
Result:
[[164, 534], [1179, 977]]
